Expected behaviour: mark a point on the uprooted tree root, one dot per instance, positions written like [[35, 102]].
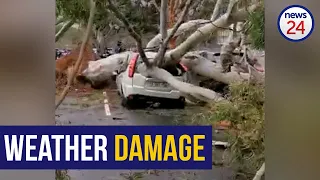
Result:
[[245, 111]]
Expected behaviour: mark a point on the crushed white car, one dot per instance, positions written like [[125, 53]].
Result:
[[136, 89]]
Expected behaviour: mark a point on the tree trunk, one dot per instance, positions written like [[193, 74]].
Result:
[[64, 29], [212, 70], [186, 88]]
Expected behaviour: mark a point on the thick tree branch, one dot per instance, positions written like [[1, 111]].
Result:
[[186, 88], [164, 19], [185, 27], [206, 68], [78, 62], [131, 31], [204, 32]]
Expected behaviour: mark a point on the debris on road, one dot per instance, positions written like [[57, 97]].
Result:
[[220, 144]]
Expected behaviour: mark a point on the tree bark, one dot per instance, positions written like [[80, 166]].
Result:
[[196, 91], [212, 70], [164, 19], [64, 29], [163, 31], [185, 27]]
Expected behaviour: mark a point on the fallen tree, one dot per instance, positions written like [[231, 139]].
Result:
[[231, 67], [154, 61]]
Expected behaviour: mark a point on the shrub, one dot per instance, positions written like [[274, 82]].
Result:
[[256, 28], [245, 111]]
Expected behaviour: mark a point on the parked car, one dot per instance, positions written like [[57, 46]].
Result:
[[135, 89]]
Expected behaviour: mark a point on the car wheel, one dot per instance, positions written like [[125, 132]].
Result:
[[128, 103], [180, 103], [125, 102]]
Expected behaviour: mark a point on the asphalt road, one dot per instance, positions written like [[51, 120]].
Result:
[[91, 110]]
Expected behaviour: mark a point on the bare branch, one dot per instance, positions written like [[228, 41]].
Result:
[[131, 31], [216, 9], [163, 31], [207, 68], [78, 62], [162, 50]]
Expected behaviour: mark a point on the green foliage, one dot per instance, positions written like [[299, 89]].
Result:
[[142, 18], [246, 113], [245, 110], [80, 10], [256, 29]]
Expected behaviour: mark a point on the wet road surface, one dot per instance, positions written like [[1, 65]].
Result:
[[90, 110]]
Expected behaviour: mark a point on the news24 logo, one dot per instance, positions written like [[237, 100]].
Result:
[[295, 23]]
